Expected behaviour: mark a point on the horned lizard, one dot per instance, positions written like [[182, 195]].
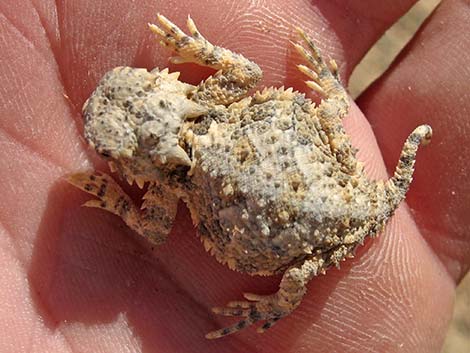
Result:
[[271, 180]]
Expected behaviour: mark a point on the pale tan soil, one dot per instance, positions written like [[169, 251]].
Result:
[[372, 66]]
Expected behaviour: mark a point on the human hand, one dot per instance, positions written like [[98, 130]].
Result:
[[77, 279]]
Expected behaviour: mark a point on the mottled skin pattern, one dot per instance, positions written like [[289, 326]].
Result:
[[271, 180]]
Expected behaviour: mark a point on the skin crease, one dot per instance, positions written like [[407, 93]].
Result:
[[76, 279]]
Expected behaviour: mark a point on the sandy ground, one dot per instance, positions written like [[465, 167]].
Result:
[[371, 67], [458, 337]]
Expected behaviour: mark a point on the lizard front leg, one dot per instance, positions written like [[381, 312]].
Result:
[[236, 74], [155, 219]]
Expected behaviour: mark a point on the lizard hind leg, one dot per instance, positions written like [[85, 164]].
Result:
[[269, 309], [334, 104], [255, 308], [324, 79]]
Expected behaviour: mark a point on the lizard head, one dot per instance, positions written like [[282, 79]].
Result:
[[134, 118]]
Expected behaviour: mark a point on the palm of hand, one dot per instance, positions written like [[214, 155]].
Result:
[[74, 277]]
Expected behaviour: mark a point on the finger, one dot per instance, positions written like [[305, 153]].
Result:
[[429, 84], [261, 32], [33, 101], [33, 138], [349, 327], [146, 310]]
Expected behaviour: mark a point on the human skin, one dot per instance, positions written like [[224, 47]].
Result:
[[77, 280]]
